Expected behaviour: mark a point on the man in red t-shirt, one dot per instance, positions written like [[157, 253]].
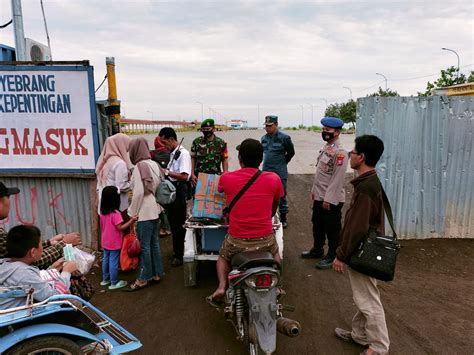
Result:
[[250, 226]]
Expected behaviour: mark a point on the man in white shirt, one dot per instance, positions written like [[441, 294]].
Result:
[[178, 172]]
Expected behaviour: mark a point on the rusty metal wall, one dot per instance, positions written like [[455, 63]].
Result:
[[56, 205], [427, 168]]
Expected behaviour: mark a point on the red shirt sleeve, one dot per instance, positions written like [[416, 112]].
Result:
[[220, 185]]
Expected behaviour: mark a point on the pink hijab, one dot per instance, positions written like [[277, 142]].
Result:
[[139, 153], [115, 149]]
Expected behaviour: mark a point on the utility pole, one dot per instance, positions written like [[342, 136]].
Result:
[[113, 107], [302, 115], [17, 17]]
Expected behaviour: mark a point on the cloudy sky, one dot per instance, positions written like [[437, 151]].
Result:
[[245, 58]]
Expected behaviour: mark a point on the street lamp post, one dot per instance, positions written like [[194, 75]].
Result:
[[202, 110], [350, 91], [326, 102], [152, 116], [312, 114], [385, 78], [457, 55], [302, 115]]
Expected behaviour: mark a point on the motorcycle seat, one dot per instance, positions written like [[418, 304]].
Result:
[[248, 259]]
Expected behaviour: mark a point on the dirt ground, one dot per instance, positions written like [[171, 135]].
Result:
[[429, 306]]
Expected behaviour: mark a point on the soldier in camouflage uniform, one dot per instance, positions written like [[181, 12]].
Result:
[[208, 153], [328, 193]]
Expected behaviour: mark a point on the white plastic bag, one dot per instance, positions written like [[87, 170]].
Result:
[[84, 260]]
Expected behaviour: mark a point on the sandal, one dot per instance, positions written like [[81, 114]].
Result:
[[136, 287], [214, 302]]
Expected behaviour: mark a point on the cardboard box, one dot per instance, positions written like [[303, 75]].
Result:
[[208, 202]]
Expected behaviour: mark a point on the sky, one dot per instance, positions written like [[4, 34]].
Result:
[[246, 59]]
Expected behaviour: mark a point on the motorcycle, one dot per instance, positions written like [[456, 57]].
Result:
[[252, 302], [62, 324]]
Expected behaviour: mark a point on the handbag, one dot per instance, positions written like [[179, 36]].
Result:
[[226, 210], [376, 255], [127, 262], [134, 248], [165, 193]]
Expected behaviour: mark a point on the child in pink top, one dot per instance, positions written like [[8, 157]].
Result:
[[111, 227]]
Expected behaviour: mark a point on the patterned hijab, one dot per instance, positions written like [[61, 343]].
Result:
[[115, 149], [139, 153]]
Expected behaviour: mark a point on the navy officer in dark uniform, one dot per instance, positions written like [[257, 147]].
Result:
[[278, 150]]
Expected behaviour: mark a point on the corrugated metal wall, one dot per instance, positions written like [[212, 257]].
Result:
[[56, 205], [427, 168]]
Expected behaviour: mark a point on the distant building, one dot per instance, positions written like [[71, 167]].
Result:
[[466, 89], [237, 124]]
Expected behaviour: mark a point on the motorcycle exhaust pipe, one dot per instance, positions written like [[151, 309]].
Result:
[[288, 327]]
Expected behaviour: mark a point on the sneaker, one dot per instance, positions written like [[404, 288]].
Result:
[[104, 283], [312, 254], [369, 351], [344, 335], [325, 264], [119, 284]]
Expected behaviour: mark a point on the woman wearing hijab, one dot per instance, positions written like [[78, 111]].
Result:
[[161, 155], [145, 180], [113, 168]]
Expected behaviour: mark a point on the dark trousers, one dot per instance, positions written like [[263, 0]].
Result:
[[326, 223], [177, 217], [283, 206]]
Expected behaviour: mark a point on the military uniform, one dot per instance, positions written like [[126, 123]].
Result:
[[328, 186], [209, 155], [278, 150]]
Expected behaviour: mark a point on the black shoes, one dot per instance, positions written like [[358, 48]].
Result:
[[325, 264], [312, 254], [176, 262], [284, 224]]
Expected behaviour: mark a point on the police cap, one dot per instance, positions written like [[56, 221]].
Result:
[[332, 122]]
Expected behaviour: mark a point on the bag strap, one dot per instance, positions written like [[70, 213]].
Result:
[[388, 211], [242, 191]]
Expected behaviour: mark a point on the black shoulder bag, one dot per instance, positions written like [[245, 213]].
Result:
[[376, 255], [226, 211]]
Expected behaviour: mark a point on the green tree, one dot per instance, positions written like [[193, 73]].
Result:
[[384, 93], [450, 76], [345, 111]]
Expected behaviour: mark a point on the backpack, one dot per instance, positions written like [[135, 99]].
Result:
[[165, 193]]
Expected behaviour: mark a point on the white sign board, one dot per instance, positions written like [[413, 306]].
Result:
[[47, 119]]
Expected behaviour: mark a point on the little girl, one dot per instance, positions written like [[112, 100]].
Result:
[[111, 227]]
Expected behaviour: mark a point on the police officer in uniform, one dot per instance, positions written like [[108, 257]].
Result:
[[328, 193], [278, 150]]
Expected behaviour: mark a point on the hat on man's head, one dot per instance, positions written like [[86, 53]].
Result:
[[250, 147], [269, 120], [332, 122], [7, 191], [207, 124]]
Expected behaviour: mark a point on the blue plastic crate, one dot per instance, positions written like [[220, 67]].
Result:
[[212, 239]]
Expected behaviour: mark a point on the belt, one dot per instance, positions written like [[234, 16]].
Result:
[[248, 239]]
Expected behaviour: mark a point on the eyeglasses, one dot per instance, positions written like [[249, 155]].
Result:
[[354, 152]]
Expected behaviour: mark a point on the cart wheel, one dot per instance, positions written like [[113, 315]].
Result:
[[47, 345]]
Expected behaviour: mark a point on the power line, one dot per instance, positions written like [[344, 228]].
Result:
[[7, 24], [105, 77]]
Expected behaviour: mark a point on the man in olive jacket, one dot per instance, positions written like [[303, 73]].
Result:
[[366, 211]]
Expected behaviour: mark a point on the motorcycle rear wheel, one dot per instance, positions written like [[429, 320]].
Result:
[[51, 345]]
